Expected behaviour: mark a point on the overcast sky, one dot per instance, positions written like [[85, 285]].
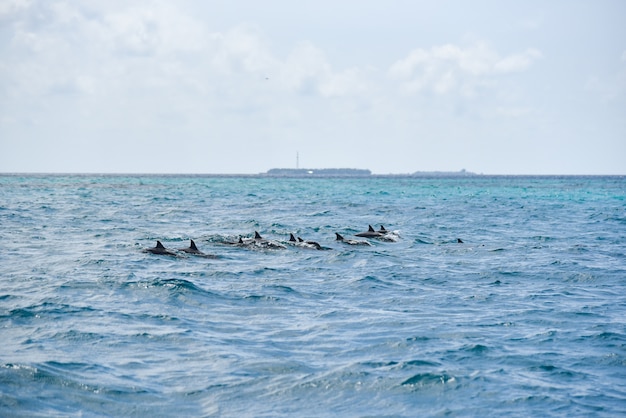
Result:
[[394, 86]]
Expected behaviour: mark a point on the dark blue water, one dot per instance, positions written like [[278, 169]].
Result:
[[527, 317]]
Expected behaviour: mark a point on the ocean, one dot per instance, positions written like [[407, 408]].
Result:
[[525, 317]]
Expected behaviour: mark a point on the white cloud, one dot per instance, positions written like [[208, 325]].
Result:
[[239, 49], [134, 32], [305, 68], [249, 82], [446, 68], [345, 83], [10, 7], [307, 71], [517, 62], [124, 48], [159, 29]]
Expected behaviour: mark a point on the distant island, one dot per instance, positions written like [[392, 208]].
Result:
[[461, 173], [318, 172], [356, 172]]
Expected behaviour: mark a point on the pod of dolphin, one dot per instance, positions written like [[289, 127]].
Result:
[[259, 242]]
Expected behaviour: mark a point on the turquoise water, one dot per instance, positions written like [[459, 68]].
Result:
[[526, 317]]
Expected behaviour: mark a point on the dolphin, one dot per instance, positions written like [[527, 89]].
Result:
[[370, 233], [241, 241], [159, 249], [266, 243], [386, 235], [258, 241], [192, 249], [351, 241], [305, 244], [312, 244], [382, 234], [238, 243]]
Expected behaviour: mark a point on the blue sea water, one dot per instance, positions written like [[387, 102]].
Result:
[[526, 317]]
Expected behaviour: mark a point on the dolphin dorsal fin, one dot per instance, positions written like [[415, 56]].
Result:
[[339, 237], [240, 241], [370, 229], [159, 245], [300, 239], [192, 245], [382, 228], [292, 238], [257, 235]]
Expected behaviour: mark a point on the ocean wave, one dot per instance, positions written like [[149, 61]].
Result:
[[523, 318]]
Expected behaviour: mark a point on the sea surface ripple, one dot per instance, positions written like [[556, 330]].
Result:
[[526, 317]]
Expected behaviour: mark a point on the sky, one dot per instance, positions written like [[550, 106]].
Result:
[[240, 87]]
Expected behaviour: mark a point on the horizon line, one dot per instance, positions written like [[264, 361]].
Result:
[[413, 174]]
